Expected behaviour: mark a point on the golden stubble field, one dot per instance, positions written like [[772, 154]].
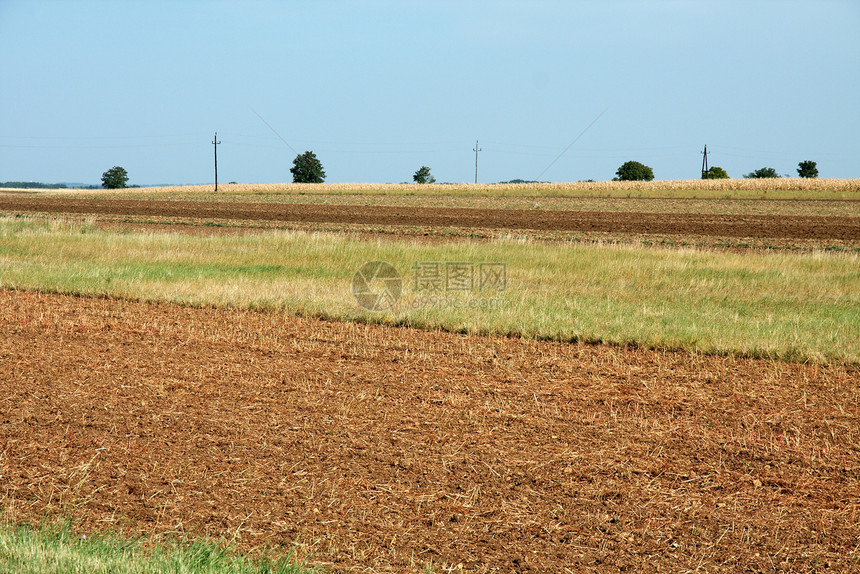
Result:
[[713, 188]]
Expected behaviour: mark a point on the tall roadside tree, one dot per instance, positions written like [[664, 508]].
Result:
[[423, 175], [807, 169], [634, 171], [307, 169], [115, 178]]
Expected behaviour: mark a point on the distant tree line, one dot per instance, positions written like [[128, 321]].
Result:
[[635, 171], [806, 169], [33, 185], [307, 168]]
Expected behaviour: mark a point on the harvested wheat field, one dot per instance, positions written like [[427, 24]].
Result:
[[376, 448]]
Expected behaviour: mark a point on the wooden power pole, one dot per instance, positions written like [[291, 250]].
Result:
[[476, 150], [215, 143]]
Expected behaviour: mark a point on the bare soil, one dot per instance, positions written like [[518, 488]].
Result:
[[842, 228], [384, 449]]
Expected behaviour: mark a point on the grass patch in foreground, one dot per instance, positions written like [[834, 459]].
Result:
[[780, 305], [57, 549]]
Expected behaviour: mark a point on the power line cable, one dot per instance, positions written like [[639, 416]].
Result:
[[571, 144], [275, 132]]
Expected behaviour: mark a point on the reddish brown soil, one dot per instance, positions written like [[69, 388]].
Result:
[[754, 226], [459, 234], [384, 449]]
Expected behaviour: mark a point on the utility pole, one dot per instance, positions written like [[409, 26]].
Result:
[[215, 143], [705, 163], [476, 150]]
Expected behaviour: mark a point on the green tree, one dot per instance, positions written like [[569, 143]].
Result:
[[762, 173], [423, 175], [307, 169], [634, 171], [715, 172], [115, 178], [807, 169]]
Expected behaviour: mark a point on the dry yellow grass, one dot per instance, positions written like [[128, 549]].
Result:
[[782, 188], [778, 305]]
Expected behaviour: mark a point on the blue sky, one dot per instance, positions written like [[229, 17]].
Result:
[[379, 88]]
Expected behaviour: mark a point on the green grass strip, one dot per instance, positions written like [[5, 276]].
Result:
[[788, 306], [58, 550]]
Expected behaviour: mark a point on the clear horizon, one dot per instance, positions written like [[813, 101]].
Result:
[[551, 90]]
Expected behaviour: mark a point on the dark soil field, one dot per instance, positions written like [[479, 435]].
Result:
[[794, 227], [379, 449]]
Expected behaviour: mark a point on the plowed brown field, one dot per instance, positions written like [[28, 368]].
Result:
[[723, 225], [384, 449]]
